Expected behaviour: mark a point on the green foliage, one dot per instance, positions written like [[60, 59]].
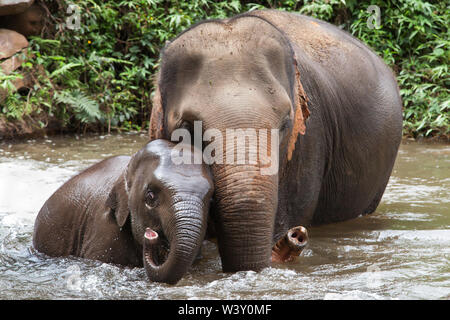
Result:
[[85, 109], [414, 40], [100, 76]]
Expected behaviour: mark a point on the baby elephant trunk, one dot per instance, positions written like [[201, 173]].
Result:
[[185, 232]]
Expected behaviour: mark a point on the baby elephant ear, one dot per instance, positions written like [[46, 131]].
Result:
[[118, 201], [157, 117]]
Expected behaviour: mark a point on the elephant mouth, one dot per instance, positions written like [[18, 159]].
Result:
[[156, 249]]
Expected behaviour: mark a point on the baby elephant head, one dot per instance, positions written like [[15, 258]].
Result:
[[167, 204]]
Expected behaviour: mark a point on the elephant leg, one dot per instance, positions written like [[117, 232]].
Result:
[[290, 245]]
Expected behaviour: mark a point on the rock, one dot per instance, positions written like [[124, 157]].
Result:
[[11, 64], [9, 7], [29, 23], [10, 43]]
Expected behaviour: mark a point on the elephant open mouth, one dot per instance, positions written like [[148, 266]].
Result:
[[156, 248]]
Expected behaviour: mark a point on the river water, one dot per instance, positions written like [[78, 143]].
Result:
[[401, 251]]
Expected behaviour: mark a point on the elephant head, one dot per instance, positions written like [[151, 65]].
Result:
[[166, 202], [239, 73]]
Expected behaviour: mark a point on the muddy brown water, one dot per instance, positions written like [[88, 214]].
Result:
[[401, 251]]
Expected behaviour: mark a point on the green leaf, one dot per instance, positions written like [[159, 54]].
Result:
[[64, 69], [85, 109]]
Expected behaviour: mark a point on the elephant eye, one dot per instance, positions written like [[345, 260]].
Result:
[[150, 199]]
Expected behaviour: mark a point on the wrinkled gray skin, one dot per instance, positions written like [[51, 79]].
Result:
[[94, 216], [265, 69]]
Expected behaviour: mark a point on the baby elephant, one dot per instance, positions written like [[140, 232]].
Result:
[[139, 211]]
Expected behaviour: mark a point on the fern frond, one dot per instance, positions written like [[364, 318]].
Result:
[[85, 109], [64, 69]]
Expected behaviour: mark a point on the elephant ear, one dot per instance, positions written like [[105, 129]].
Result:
[[118, 201], [301, 111], [157, 117]]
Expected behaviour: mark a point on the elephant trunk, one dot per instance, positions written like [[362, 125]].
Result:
[[185, 231], [246, 205]]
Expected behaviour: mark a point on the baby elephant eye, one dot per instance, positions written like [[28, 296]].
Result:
[[150, 199]]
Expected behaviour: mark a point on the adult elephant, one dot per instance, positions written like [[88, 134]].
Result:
[[335, 102]]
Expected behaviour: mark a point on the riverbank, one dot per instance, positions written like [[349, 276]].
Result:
[[43, 126], [20, 131]]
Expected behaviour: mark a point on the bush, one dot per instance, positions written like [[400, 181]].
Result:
[[412, 40], [100, 76]]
